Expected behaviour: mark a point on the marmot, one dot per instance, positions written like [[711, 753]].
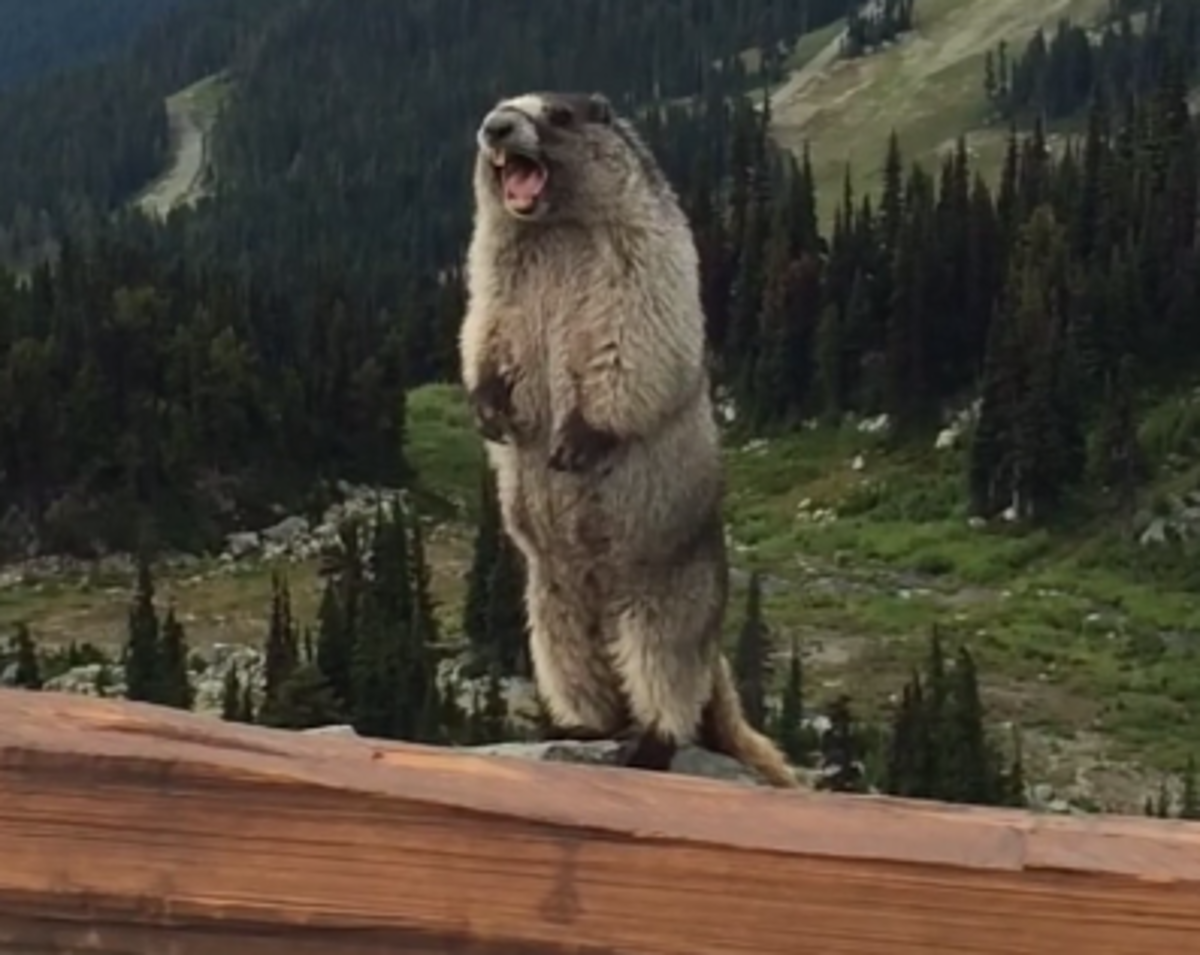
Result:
[[583, 356]]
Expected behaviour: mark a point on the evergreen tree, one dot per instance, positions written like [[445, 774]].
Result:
[[304, 700], [28, 667], [424, 620], [789, 728], [905, 771], [231, 696], [841, 761], [176, 686], [507, 626], [483, 559], [1190, 804], [751, 662], [142, 658], [970, 770], [247, 712], [1014, 780], [281, 653], [340, 611]]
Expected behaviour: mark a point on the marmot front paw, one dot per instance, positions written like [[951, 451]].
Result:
[[491, 405], [578, 446]]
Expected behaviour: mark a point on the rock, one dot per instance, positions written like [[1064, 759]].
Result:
[[92, 679], [286, 532], [242, 545], [1180, 523], [209, 685], [689, 761], [519, 693], [879, 424], [337, 729]]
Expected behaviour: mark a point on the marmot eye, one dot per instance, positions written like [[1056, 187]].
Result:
[[558, 115]]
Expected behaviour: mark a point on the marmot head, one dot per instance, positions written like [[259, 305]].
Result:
[[562, 156]]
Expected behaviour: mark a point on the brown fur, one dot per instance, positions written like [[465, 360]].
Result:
[[583, 353]]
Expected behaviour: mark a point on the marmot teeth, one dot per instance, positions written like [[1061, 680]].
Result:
[[498, 158]]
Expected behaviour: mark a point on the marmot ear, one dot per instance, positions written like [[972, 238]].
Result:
[[599, 109]]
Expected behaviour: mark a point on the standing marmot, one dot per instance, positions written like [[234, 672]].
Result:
[[583, 356]]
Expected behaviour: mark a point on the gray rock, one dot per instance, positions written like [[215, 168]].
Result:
[[689, 761], [337, 729], [242, 545], [287, 531]]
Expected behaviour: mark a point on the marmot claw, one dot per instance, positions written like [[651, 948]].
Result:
[[579, 446], [491, 405]]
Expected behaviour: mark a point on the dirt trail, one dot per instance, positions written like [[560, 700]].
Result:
[[191, 113]]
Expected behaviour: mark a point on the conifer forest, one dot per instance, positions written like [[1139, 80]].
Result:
[[168, 382]]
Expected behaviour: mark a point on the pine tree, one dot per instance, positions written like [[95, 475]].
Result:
[[142, 653], [751, 662], [789, 727], [28, 667], [424, 617], [176, 686], [385, 629], [507, 627], [231, 696], [483, 559], [248, 714], [906, 762], [281, 654], [934, 723], [841, 761], [1014, 780], [303, 701], [1190, 804], [969, 769], [339, 613]]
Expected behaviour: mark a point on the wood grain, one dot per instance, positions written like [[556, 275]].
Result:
[[126, 828]]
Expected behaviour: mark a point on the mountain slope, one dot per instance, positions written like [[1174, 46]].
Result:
[[343, 197], [928, 87], [40, 38]]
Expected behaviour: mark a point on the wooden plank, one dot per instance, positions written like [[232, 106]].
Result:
[[130, 829]]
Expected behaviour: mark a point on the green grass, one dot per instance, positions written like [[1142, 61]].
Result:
[[221, 604], [927, 88], [443, 447], [1072, 618], [813, 43], [1067, 622], [208, 95], [1067, 625]]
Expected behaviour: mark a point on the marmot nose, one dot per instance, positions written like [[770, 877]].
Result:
[[497, 127]]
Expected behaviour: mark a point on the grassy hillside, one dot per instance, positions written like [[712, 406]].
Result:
[[863, 552], [928, 87], [1083, 638]]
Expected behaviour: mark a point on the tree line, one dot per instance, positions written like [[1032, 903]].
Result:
[[1058, 76], [1053, 298], [371, 657], [81, 142], [136, 387], [874, 23]]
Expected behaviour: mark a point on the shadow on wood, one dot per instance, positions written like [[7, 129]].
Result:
[[127, 828]]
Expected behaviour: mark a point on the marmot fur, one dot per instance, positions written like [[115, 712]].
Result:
[[583, 355]]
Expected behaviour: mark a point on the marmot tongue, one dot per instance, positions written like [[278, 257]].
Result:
[[523, 182]]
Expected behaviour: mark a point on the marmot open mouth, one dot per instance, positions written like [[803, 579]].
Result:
[[522, 179]]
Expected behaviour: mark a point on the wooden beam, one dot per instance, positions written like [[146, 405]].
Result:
[[132, 829]]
